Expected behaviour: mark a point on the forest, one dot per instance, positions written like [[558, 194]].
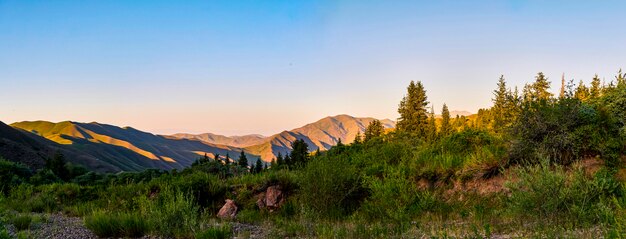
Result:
[[534, 164]]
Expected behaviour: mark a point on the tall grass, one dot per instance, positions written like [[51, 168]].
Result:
[[107, 224], [549, 192]]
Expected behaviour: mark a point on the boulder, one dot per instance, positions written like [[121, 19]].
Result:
[[228, 211], [273, 197]]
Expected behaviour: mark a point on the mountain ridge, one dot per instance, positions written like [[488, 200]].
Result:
[[130, 149]]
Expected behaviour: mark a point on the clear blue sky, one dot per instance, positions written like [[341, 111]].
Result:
[[238, 67]]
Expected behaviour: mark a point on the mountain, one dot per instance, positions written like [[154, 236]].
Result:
[[125, 148], [454, 113], [20, 146], [236, 141], [112, 148], [322, 134]]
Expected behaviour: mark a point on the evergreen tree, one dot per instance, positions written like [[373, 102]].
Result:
[[540, 88], [621, 78], [288, 160], [582, 92], [217, 157], [501, 105], [258, 166], [227, 160], [339, 143], [432, 125], [595, 91], [279, 160], [412, 109], [243, 160], [446, 127], [373, 130], [299, 153], [358, 138], [57, 166]]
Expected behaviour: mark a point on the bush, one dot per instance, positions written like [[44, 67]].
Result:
[[106, 224], [330, 187], [544, 192], [217, 232], [12, 174], [394, 197]]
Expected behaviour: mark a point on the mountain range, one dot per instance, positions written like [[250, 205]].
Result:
[[109, 148]]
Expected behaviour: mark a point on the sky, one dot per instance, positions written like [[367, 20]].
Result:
[[240, 67]]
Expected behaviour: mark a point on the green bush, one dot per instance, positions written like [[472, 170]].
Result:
[[12, 174], [330, 187], [553, 193], [4, 234], [106, 224], [217, 232]]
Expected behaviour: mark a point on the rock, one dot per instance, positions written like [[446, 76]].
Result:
[[228, 211], [274, 197], [260, 202]]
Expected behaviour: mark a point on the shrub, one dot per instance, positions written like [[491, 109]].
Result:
[[394, 197], [330, 187], [12, 174], [217, 232], [555, 193], [4, 234]]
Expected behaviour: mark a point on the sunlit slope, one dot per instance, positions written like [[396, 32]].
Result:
[[32, 150], [321, 134], [126, 148], [237, 141]]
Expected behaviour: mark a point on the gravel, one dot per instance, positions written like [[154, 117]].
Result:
[[61, 226]]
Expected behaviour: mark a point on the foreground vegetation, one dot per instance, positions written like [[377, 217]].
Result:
[[533, 165]]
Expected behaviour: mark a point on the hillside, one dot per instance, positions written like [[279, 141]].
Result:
[[126, 148], [32, 150], [321, 134], [236, 141]]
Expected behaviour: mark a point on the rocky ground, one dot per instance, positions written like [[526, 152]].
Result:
[[59, 226]]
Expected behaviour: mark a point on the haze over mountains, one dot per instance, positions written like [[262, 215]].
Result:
[[109, 148]]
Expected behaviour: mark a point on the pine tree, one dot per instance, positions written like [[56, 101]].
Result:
[[339, 143], [431, 127], [299, 153], [373, 130], [595, 91], [258, 166], [358, 139], [621, 78], [227, 159], [582, 93], [540, 88], [501, 105], [288, 160], [243, 160], [412, 109], [217, 157], [279, 160], [446, 127], [57, 166]]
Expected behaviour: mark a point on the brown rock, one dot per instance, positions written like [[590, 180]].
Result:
[[228, 211], [273, 197], [260, 202]]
